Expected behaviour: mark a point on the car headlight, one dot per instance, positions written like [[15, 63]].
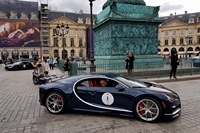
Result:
[[169, 98]]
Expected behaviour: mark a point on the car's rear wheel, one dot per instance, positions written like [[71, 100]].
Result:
[[16, 67], [55, 103], [148, 109]]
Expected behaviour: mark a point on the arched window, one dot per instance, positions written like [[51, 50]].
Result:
[[56, 53], [166, 50], [190, 49], [197, 49], [64, 54], [181, 49]]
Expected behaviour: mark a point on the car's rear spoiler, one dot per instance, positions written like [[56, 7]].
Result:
[[50, 78]]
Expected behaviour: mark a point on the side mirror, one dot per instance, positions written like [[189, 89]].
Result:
[[120, 88]]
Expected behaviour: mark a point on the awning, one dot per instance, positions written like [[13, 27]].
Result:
[[34, 53], [196, 52], [5, 53], [181, 52], [25, 53], [190, 52], [165, 52], [15, 53]]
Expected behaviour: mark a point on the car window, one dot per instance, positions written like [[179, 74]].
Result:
[[102, 82], [83, 83], [131, 82]]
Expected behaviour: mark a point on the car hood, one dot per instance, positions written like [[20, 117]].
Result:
[[159, 89]]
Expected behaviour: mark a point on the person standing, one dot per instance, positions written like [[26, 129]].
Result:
[[67, 67], [174, 64], [46, 65], [129, 63], [50, 61]]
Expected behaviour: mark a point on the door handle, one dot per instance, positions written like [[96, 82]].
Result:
[[92, 93]]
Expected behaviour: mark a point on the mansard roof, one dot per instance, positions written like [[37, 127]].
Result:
[[181, 17]]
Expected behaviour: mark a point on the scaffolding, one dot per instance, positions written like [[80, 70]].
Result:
[[44, 27]]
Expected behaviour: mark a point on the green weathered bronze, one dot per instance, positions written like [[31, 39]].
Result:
[[124, 26]]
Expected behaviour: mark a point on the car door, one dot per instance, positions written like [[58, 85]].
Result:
[[114, 96]]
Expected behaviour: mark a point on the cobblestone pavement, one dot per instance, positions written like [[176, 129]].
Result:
[[20, 111]]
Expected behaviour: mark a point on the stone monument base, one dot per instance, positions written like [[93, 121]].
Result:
[[118, 62]]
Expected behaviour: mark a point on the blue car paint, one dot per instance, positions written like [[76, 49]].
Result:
[[65, 87]]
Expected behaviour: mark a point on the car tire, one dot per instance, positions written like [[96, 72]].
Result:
[[35, 80], [148, 109], [55, 103], [16, 67]]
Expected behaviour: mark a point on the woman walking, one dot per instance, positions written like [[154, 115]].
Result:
[[129, 64]]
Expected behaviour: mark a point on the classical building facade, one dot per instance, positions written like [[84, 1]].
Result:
[[181, 32], [74, 42]]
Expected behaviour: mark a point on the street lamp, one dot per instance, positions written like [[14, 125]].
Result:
[[61, 31], [187, 39], [92, 59]]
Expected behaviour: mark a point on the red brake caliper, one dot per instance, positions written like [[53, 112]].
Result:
[[59, 99], [141, 106]]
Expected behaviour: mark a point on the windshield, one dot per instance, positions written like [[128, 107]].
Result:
[[131, 82], [16, 63]]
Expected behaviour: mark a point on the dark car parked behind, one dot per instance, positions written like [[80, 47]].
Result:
[[21, 65]]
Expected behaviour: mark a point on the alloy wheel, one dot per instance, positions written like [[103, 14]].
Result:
[[148, 110], [55, 103]]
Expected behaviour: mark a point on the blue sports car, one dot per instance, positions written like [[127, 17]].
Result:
[[111, 93]]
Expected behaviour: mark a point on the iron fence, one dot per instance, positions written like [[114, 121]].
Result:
[[141, 70]]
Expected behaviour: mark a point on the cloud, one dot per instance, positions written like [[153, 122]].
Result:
[[170, 7], [76, 5]]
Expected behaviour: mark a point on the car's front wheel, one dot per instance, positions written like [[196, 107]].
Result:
[[55, 103], [148, 109], [35, 80]]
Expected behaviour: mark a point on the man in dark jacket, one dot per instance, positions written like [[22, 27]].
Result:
[[129, 63], [174, 64]]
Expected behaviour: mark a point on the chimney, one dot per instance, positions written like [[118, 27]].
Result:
[[81, 11], [171, 14], [185, 12]]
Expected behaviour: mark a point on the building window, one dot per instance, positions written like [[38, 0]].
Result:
[[174, 32], [80, 42], [173, 41], [80, 32], [181, 40], [71, 32], [181, 31], [81, 53], [72, 53], [198, 19], [190, 40], [198, 39], [72, 42], [198, 30], [166, 33], [158, 33], [54, 31], [166, 42], [190, 31], [63, 41], [55, 42], [46, 51]]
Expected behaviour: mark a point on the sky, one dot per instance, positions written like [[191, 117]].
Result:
[[167, 6]]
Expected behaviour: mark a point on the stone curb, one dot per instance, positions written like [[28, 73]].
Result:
[[183, 78]]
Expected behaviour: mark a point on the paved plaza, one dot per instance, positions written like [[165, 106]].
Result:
[[21, 112]]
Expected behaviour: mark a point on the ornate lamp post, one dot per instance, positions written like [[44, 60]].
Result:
[[61, 31], [92, 59], [187, 39]]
